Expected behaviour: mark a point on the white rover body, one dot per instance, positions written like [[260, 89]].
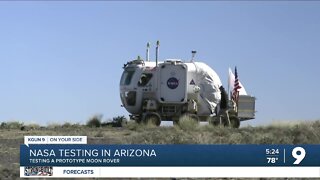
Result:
[[153, 91]]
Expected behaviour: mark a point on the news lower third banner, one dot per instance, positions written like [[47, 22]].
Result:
[[71, 156]]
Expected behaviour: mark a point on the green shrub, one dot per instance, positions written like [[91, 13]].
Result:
[[119, 121], [3, 125], [95, 121], [12, 125], [66, 125]]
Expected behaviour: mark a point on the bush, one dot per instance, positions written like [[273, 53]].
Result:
[[95, 121], [188, 123], [66, 125], [29, 127], [12, 125], [3, 125], [118, 121]]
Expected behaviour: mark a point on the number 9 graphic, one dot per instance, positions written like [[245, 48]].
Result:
[[299, 157]]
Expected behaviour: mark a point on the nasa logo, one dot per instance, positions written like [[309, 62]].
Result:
[[173, 83]]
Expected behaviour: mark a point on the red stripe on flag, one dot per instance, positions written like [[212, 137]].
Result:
[[235, 93]]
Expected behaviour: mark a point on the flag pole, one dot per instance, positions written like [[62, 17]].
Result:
[[229, 84]]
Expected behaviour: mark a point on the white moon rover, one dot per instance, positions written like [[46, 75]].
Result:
[[165, 91]]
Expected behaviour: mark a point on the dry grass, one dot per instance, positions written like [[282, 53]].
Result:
[[188, 124]]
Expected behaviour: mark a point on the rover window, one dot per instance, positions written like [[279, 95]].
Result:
[[131, 98], [126, 77], [144, 79]]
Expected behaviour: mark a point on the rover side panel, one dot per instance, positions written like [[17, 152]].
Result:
[[172, 83]]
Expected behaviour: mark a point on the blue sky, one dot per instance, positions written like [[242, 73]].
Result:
[[62, 61]]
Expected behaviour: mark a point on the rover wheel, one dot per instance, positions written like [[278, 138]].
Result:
[[153, 118], [234, 122], [214, 121]]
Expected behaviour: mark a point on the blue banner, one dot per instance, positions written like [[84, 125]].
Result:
[[169, 155]]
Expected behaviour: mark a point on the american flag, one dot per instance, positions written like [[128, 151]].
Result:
[[236, 87]]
